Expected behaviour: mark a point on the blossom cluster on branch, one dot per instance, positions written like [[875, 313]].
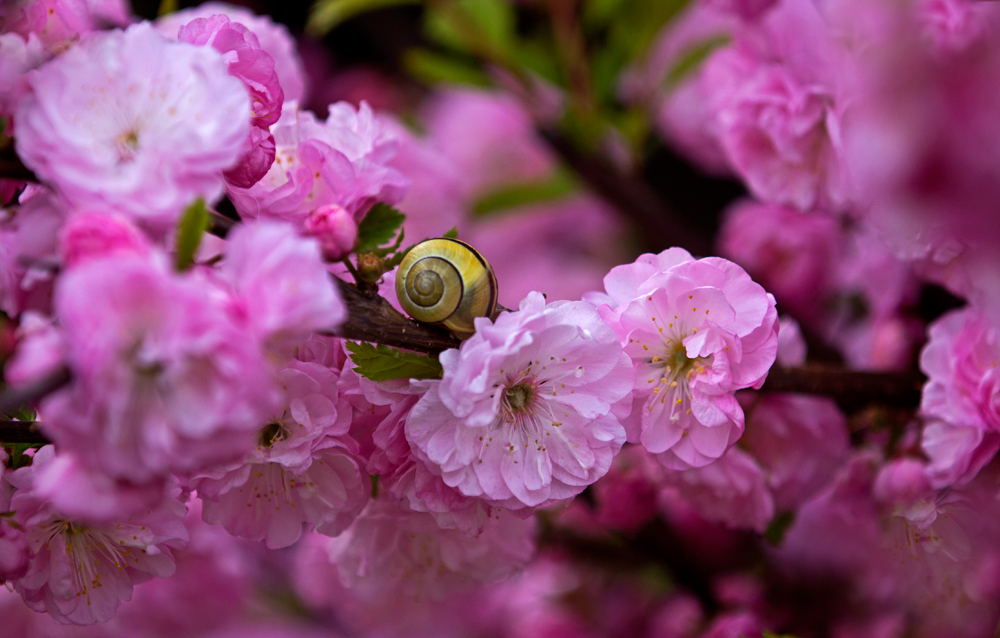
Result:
[[205, 398]]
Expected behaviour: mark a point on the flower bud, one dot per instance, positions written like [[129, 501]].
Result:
[[335, 229], [371, 267]]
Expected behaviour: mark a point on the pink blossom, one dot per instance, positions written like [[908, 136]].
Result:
[[528, 410], [303, 470], [392, 549], [350, 152], [963, 381], [18, 55], [283, 288], [13, 551], [732, 490], [335, 229], [791, 344], [256, 160], [626, 496], [794, 255], [800, 441], [79, 572], [93, 235], [746, 9], [28, 251], [245, 60], [60, 23], [274, 39], [164, 380], [697, 331], [957, 452], [491, 157], [107, 131]]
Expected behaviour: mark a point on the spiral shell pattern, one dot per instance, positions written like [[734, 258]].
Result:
[[447, 282]]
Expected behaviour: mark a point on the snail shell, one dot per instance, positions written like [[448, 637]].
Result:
[[446, 282]]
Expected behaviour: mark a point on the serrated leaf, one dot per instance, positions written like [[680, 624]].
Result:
[[436, 68], [451, 234], [383, 252], [378, 227], [327, 14], [381, 363], [560, 185], [191, 226]]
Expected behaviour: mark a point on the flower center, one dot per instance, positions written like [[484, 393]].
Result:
[[520, 397], [272, 433]]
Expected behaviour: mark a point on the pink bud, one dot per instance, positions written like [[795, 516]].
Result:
[[335, 229]]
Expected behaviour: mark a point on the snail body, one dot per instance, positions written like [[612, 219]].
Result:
[[446, 282]]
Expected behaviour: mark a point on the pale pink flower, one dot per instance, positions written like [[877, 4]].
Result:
[[390, 548], [303, 470], [732, 490], [343, 161], [283, 290], [697, 331], [335, 230], [13, 551], [528, 410], [792, 346], [80, 572], [60, 23], [800, 441], [106, 129], [94, 235], [956, 452], [164, 379], [274, 39], [625, 497]]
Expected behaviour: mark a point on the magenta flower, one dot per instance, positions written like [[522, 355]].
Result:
[[283, 290], [18, 55], [60, 23], [697, 331], [93, 235], [80, 572], [164, 379], [528, 410], [335, 229], [303, 470], [109, 130], [273, 37], [344, 161]]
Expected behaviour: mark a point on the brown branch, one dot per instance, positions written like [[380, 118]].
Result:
[[21, 432], [632, 197], [373, 319], [850, 388], [11, 166]]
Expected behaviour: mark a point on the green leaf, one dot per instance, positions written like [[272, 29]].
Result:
[[451, 234], [17, 458], [192, 224], [561, 184], [380, 363], [326, 14], [692, 58], [378, 227], [434, 68], [775, 532], [382, 252], [452, 24]]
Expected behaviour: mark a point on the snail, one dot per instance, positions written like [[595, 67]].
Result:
[[446, 282]]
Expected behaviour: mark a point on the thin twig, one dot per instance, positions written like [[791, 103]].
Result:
[[14, 398], [850, 388], [21, 432]]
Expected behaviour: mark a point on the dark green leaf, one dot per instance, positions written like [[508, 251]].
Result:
[[597, 13], [191, 226], [381, 363], [382, 252], [451, 234], [433, 68], [561, 184], [326, 14], [17, 458], [374, 478], [775, 532], [167, 7], [452, 24], [378, 227]]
